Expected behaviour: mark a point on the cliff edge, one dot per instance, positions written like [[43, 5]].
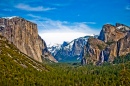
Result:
[[24, 35]]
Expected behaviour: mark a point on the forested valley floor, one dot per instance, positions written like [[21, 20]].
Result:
[[16, 69]]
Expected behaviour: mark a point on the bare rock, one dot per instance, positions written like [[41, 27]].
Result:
[[110, 33], [92, 50], [113, 41], [24, 35]]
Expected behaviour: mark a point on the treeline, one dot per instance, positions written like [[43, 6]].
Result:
[[15, 70]]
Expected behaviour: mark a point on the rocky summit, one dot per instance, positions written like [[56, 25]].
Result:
[[112, 42], [110, 33], [69, 51], [24, 35]]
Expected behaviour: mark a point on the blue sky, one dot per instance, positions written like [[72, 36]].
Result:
[[64, 20]]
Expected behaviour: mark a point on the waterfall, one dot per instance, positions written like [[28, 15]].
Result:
[[102, 57]]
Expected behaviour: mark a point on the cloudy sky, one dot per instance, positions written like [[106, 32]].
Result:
[[65, 20]]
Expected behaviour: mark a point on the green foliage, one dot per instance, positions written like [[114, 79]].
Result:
[[122, 59], [124, 77], [65, 58], [16, 69], [101, 47], [110, 42]]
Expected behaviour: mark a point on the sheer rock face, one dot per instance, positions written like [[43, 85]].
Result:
[[113, 41], [110, 33], [92, 51], [24, 35], [124, 45], [113, 51]]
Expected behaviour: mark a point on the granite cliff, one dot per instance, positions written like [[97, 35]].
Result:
[[24, 35], [69, 51], [112, 42]]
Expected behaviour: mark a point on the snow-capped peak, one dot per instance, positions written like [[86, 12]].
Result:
[[53, 48], [10, 17], [69, 50], [53, 44]]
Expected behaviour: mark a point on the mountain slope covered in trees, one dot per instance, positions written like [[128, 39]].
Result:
[[18, 69]]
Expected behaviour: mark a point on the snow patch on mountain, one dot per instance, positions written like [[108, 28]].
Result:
[[54, 48], [10, 17], [69, 50]]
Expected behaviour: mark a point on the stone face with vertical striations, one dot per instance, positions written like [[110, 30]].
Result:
[[24, 35], [110, 33], [93, 49], [113, 41]]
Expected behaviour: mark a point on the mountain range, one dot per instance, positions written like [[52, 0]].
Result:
[[69, 51], [113, 41], [25, 59]]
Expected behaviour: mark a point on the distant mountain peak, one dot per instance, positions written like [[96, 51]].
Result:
[[65, 43], [70, 51], [11, 17], [122, 27]]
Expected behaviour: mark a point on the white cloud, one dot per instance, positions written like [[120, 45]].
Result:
[[58, 31], [29, 8], [58, 38], [64, 26], [55, 31]]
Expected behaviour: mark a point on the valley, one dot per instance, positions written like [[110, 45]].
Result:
[[98, 60], [18, 69], [64, 42]]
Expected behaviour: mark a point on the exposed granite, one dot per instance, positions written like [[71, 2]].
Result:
[[113, 41], [24, 35]]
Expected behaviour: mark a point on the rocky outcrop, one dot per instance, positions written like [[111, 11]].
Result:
[[93, 49], [124, 45], [113, 41], [69, 51], [110, 33], [24, 35]]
